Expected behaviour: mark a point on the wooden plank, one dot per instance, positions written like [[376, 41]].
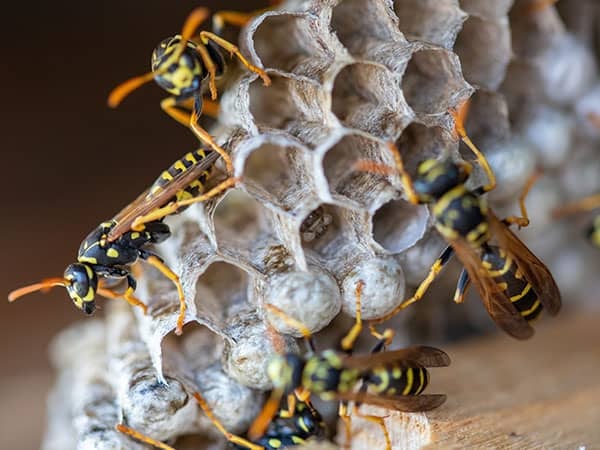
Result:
[[503, 393]]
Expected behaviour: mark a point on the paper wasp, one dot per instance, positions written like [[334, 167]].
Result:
[[109, 250], [585, 204], [285, 430], [391, 379], [512, 282], [185, 65]]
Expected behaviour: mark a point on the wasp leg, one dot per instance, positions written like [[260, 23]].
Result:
[[290, 321], [210, 108], [114, 272], [170, 105], [461, 287], [407, 183], [205, 136], [348, 341], [522, 221], [173, 207], [347, 421], [436, 268], [158, 263], [219, 426], [141, 437], [206, 36], [260, 424], [376, 420], [238, 19], [460, 115]]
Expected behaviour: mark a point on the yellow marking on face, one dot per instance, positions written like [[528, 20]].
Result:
[[112, 253], [89, 296], [297, 440], [87, 259], [135, 235], [409, 381], [182, 77], [532, 309], [275, 443], [516, 298], [302, 425]]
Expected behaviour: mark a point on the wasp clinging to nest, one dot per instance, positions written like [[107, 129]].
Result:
[[185, 65]]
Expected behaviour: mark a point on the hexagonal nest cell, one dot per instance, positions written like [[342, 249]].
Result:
[[310, 216]]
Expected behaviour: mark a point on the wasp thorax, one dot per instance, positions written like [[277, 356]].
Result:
[[435, 178], [285, 372], [81, 286]]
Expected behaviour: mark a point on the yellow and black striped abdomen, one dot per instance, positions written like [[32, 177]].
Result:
[[187, 162], [505, 273], [396, 380]]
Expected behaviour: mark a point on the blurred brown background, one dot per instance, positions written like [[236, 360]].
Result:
[[69, 162]]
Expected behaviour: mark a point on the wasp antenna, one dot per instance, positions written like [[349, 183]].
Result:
[[585, 204], [117, 95], [43, 285], [193, 21], [459, 114], [539, 5]]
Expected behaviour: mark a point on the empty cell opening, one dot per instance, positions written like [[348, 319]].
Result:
[[292, 44], [279, 175], [419, 142], [398, 225], [434, 21], [484, 48], [432, 81], [287, 104], [368, 98], [220, 286], [345, 180], [490, 10], [358, 21], [237, 217]]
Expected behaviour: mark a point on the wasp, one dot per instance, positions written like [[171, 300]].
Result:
[[391, 379], [287, 429], [585, 204], [110, 249], [512, 282], [185, 65]]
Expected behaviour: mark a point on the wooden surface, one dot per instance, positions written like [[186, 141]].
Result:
[[543, 393]]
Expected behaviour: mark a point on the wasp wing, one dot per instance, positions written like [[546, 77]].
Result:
[[416, 356], [533, 269], [497, 304], [405, 403], [148, 201]]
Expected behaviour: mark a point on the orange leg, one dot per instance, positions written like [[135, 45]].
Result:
[[127, 295], [141, 437]]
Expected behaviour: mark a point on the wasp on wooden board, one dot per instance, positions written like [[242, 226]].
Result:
[[185, 65], [285, 430], [513, 283], [583, 205], [110, 250], [392, 379]]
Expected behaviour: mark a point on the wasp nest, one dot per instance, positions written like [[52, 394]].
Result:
[[304, 226]]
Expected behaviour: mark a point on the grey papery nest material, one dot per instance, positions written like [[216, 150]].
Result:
[[303, 226]]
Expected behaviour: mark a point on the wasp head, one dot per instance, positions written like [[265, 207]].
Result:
[[435, 178], [81, 284], [180, 75]]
